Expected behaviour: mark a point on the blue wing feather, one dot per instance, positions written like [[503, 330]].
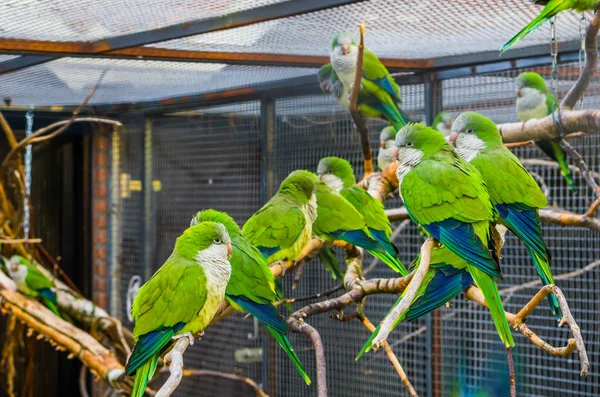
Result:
[[266, 314], [150, 344]]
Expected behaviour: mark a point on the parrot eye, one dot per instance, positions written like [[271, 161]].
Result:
[[217, 240], [408, 144], [470, 131]]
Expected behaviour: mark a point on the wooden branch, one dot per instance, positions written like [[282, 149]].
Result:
[[230, 376], [381, 185], [409, 295], [591, 63], [578, 160], [174, 359], [553, 164]]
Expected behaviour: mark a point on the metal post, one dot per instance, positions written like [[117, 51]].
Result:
[[267, 136], [115, 224], [433, 102], [147, 189]]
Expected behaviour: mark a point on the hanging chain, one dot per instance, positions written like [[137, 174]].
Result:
[[554, 76], [582, 54], [28, 155]]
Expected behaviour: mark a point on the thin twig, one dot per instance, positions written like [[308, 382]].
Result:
[[553, 164], [518, 144], [20, 241], [321, 361], [319, 295], [83, 382], [409, 295], [578, 160], [511, 371], [230, 376]]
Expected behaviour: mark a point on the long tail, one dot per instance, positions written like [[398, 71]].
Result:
[[552, 8], [559, 155], [390, 248], [143, 376], [289, 350], [489, 289], [363, 239], [330, 263]]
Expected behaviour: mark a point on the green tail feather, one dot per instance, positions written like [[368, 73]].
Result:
[[543, 268], [143, 375], [367, 346], [561, 159], [544, 16], [489, 289], [51, 306], [287, 347], [392, 261], [330, 263]]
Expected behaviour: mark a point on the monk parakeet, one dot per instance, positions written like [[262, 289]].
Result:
[[180, 299], [446, 278], [447, 196], [337, 219], [552, 7], [535, 101], [337, 173], [283, 226], [386, 147], [379, 95], [442, 122], [513, 191], [32, 282], [252, 286]]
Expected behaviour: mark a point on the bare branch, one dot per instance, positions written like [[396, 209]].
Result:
[[565, 218], [591, 63], [230, 376], [578, 160], [553, 164], [174, 359], [409, 295], [321, 361]]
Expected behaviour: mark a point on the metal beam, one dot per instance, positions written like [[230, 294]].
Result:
[[243, 18], [80, 49]]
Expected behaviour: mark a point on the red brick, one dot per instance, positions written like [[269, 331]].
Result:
[[100, 253], [100, 174], [100, 206], [101, 299], [100, 236], [100, 221], [101, 159], [100, 285], [100, 190], [101, 269], [101, 141]]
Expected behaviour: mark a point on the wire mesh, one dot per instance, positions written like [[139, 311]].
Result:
[[82, 20], [395, 29]]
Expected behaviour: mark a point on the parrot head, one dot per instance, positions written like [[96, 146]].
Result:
[[529, 83], [387, 134], [205, 241], [415, 142], [343, 44], [473, 132], [17, 270], [211, 215], [299, 185], [336, 172]]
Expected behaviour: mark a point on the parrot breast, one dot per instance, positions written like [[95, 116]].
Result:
[[531, 105], [468, 146], [334, 182], [407, 160]]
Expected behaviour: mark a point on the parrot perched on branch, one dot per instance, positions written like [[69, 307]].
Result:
[[513, 191], [283, 226], [32, 282], [379, 95], [252, 286], [535, 101], [386, 147], [552, 7], [337, 173], [447, 196], [180, 299]]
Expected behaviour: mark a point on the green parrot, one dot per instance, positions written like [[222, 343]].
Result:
[[535, 101], [379, 95], [337, 173], [283, 226], [180, 299], [513, 191], [386, 142], [32, 282], [442, 122], [337, 219], [447, 196], [446, 278], [252, 286], [552, 7]]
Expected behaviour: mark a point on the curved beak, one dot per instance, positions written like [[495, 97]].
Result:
[[229, 250], [452, 137], [14, 267], [382, 144], [395, 152], [518, 92], [346, 49]]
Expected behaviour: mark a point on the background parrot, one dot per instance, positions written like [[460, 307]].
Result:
[[379, 96], [535, 101], [32, 282], [337, 219], [283, 226], [386, 147], [552, 7], [513, 191], [252, 286], [446, 278], [180, 299], [442, 122], [447, 196], [337, 173]]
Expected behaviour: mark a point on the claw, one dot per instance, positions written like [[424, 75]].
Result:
[[189, 336]]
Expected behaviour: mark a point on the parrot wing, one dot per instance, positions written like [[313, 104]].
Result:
[[37, 280], [375, 72], [371, 209], [329, 81]]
